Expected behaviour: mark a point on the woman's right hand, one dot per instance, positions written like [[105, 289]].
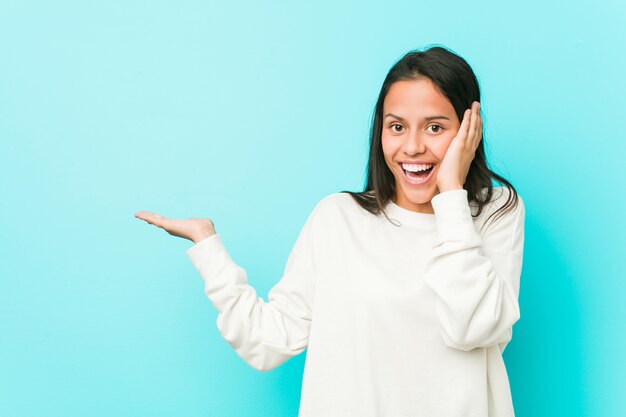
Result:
[[193, 229]]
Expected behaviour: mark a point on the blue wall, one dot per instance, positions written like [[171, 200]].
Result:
[[249, 114]]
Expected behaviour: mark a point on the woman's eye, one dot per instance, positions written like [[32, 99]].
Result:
[[436, 126], [393, 125]]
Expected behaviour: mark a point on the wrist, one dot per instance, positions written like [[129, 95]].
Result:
[[448, 187], [201, 235]]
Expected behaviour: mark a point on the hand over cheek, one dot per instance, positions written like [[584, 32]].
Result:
[[453, 170]]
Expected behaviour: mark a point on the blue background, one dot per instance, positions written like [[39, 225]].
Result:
[[249, 113]]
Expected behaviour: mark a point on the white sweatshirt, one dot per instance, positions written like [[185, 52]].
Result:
[[406, 321]]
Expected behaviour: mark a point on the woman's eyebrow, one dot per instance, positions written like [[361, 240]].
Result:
[[425, 118], [436, 117]]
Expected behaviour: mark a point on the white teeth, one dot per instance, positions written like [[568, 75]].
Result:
[[416, 167]]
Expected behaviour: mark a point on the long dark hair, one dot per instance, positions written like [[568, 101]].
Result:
[[455, 79]]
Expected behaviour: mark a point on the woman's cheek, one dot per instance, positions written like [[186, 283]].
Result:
[[444, 145], [387, 144], [386, 150]]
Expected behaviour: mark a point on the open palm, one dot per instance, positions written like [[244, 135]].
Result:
[[193, 229]]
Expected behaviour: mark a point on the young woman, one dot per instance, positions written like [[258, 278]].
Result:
[[405, 294]]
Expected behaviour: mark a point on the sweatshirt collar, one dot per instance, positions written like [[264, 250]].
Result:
[[408, 217]]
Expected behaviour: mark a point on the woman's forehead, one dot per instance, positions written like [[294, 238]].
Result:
[[407, 104], [416, 96]]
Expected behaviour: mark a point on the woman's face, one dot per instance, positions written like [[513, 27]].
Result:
[[418, 125]]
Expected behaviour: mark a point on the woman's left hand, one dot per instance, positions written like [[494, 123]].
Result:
[[453, 170]]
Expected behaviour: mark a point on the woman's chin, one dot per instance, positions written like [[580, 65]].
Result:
[[420, 195], [417, 200]]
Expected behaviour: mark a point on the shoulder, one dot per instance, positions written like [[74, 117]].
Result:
[[503, 194], [339, 207], [500, 196], [510, 207], [334, 203]]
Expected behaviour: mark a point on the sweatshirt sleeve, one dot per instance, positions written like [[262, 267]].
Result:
[[264, 334], [475, 278]]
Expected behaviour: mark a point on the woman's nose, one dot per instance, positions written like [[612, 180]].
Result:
[[415, 144]]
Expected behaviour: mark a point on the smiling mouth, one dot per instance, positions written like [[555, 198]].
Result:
[[419, 177]]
